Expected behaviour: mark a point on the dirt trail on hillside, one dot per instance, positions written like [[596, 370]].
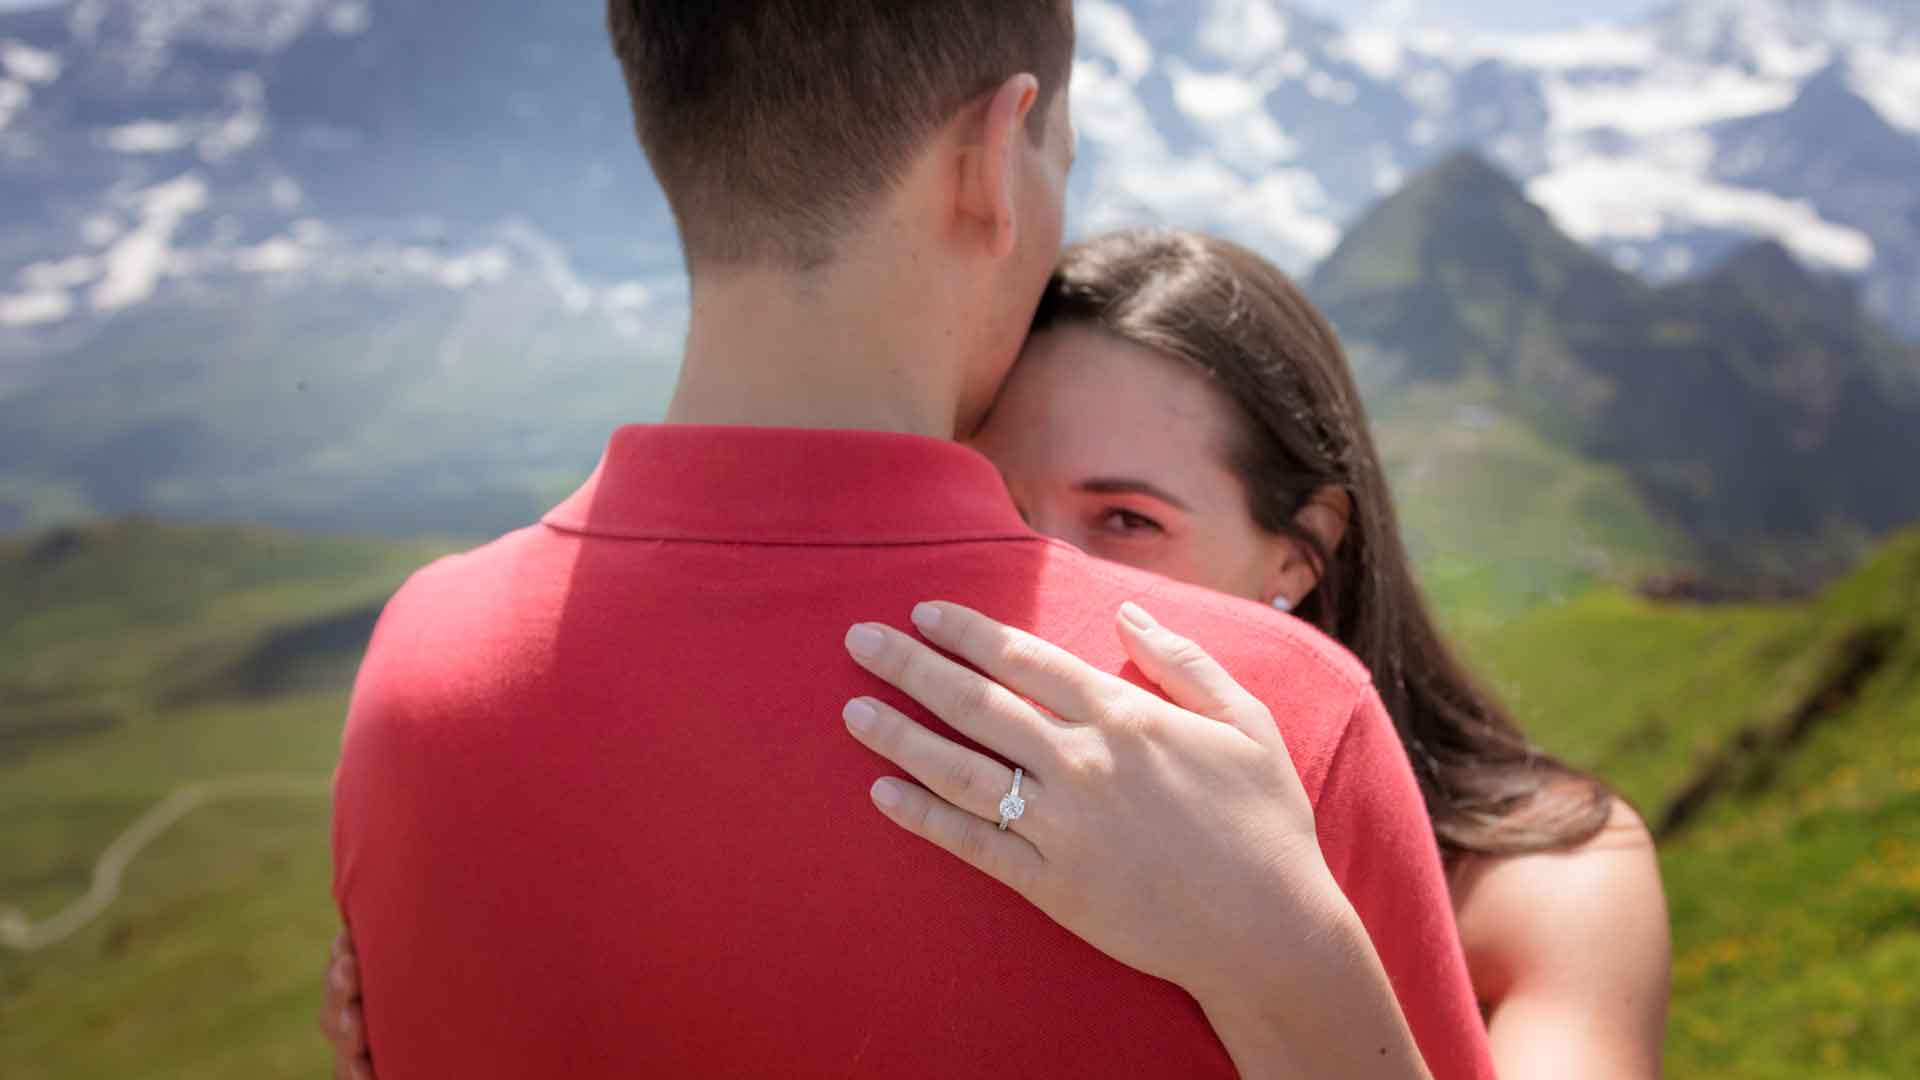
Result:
[[19, 933]]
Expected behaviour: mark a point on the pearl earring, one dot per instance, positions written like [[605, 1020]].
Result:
[[1282, 604]]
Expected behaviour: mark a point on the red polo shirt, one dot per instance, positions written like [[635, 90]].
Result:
[[597, 814]]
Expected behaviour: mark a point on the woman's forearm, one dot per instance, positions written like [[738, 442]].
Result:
[[1332, 1013]]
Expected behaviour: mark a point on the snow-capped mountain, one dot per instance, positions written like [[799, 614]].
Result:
[[148, 146], [1667, 143]]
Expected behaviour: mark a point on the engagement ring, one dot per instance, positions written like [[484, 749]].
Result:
[[1013, 806]]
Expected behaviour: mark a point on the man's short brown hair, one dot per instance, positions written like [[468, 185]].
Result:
[[773, 125]]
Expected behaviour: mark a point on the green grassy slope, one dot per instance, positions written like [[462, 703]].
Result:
[[1501, 519], [1788, 742], [141, 658]]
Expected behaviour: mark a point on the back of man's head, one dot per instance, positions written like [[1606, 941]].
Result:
[[774, 126]]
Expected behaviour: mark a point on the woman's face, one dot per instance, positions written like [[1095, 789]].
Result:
[[1124, 453]]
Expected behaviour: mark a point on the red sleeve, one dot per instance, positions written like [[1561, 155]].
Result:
[[1379, 843]]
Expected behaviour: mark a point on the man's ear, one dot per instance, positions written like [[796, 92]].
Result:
[[1325, 518], [990, 169]]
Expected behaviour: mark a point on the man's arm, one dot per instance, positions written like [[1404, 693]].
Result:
[[1378, 842]]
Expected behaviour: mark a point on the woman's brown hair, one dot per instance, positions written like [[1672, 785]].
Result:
[[1241, 322]]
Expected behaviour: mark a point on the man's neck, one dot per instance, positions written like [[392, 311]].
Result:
[[841, 349]]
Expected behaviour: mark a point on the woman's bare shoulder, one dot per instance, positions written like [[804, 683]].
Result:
[[1591, 919]]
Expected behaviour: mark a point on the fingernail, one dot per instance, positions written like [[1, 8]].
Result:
[[886, 794], [1137, 616], [865, 642], [927, 617], [336, 980], [860, 717], [346, 1021]]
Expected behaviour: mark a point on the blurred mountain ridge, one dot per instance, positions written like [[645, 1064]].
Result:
[[360, 264], [1756, 408]]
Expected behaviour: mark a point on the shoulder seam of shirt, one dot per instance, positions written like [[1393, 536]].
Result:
[[1339, 749]]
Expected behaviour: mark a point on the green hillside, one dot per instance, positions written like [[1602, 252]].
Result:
[[1500, 518], [1778, 749], [141, 658], [1780, 745]]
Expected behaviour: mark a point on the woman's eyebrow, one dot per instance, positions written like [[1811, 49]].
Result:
[[1121, 486]]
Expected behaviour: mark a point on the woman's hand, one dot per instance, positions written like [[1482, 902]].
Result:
[[340, 1016], [1172, 835]]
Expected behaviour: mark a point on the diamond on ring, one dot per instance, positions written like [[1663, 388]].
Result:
[[1012, 806]]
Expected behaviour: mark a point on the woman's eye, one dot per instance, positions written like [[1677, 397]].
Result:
[[1128, 523]]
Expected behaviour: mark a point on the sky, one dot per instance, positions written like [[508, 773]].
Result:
[[1518, 15], [1454, 14]]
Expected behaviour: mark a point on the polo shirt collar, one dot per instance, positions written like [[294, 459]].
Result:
[[789, 486]]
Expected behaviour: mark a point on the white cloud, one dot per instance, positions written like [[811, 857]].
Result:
[[243, 126], [1106, 111], [1327, 88], [628, 296], [217, 139], [550, 259], [135, 263], [147, 137], [14, 97], [279, 255], [1233, 112], [1107, 29], [350, 19], [99, 230], [28, 64], [1244, 31], [60, 276], [34, 309]]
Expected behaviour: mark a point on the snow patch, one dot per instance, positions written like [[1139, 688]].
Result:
[[1603, 199], [1380, 52], [1596, 46], [1890, 82], [1670, 101], [1284, 207]]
